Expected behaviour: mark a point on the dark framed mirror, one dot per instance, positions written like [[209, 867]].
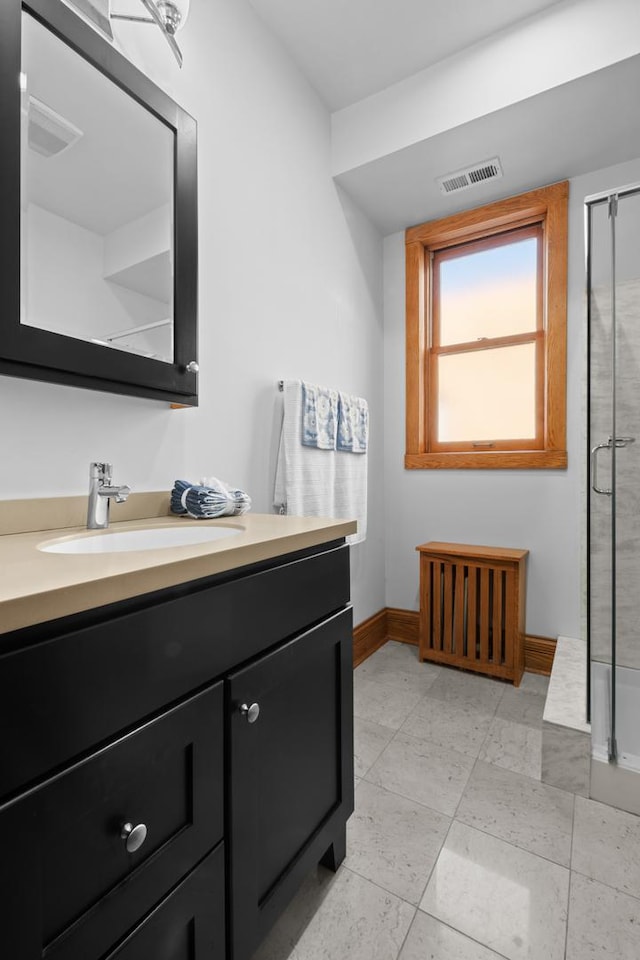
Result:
[[98, 234]]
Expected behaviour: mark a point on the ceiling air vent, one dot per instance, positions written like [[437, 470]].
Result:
[[49, 133], [470, 176]]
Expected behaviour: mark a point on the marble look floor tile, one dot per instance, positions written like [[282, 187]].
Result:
[[428, 939], [279, 943], [452, 725], [522, 706], [534, 683], [606, 845], [381, 703], [394, 841], [399, 671], [370, 739], [507, 899], [456, 686], [604, 924], [422, 772], [513, 746], [519, 810], [405, 654], [357, 920]]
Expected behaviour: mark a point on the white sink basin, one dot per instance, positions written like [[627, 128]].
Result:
[[129, 540]]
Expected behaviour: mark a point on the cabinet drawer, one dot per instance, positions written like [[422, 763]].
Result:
[[188, 925], [81, 688], [166, 775]]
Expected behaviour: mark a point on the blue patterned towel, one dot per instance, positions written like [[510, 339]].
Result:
[[207, 501], [241, 500], [353, 424], [319, 416]]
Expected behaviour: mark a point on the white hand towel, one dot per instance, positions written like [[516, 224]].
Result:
[[317, 483]]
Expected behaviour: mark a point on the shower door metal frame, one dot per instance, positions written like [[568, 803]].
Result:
[[612, 198]]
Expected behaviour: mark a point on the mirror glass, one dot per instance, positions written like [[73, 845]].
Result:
[[97, 258]]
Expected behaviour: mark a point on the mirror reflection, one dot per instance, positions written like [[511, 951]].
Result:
[[96, 204]]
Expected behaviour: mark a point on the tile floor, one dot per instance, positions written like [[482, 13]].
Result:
[[456, 850]]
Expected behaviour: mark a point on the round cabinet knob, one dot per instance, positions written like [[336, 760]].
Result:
[[192, 367], [251, 713], [133, 837]]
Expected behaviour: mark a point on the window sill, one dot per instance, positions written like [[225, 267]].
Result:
[[488, 460]]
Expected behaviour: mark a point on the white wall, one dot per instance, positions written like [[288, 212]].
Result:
[[66, 290], [139, 240], [563, 42], [290, 286], [541, 510]]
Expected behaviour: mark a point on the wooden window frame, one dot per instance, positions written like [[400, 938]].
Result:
[[546, 206]]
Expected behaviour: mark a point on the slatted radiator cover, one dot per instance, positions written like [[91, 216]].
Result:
[[472, 607]]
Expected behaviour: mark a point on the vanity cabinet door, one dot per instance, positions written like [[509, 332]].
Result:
[[291, 772]]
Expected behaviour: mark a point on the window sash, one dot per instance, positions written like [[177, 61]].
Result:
[[479, 444], [435, 350], [490, 242]]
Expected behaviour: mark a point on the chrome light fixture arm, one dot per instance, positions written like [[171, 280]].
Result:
[[167, 25]]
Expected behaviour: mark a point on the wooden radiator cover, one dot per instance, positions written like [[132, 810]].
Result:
[[472, 607]]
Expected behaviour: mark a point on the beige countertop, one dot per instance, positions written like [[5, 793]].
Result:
[[36, 586]]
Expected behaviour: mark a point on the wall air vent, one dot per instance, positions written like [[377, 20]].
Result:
[[470, 176], [49, 133]]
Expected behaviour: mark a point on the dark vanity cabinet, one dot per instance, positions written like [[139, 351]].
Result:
[[172, 766]]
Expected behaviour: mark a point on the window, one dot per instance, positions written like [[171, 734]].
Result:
[[486, 336]]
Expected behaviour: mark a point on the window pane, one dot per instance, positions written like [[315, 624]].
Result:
[[489, 293], [487, 395]]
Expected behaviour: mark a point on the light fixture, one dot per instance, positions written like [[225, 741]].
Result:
[[169, 15], [96, 12]]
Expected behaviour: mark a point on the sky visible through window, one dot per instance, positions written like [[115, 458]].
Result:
[[487, 266], [486, 294], [489, 293]]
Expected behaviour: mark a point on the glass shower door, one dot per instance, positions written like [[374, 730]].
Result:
[[613, 268]]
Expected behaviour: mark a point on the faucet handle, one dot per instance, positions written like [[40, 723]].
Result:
[[123, 493], [100, 471]]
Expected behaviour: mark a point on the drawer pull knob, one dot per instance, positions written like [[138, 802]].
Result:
[[133, 837], [250, 712]]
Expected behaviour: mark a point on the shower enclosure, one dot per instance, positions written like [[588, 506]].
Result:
[[613, 525]]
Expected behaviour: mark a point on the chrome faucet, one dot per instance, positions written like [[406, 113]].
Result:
[[101, 492]]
